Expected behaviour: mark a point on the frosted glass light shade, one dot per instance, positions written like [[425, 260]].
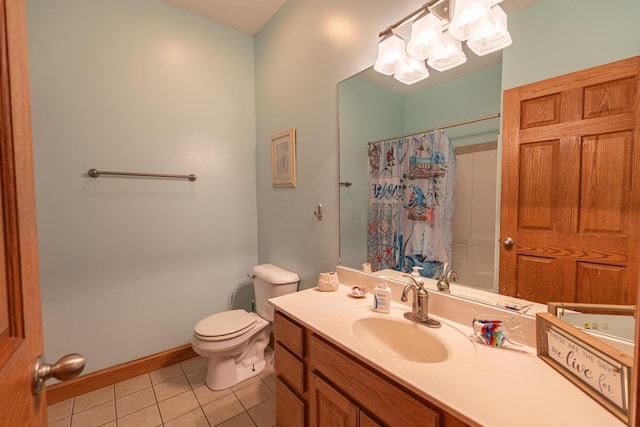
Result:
[[391, 55], [426, 37], [498, 38], [471, 19], [412, 71], [450, 57]]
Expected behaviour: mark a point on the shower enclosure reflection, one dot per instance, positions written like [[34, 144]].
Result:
[[368, 113]]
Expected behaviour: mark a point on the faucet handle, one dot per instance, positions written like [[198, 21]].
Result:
[[452, 276]]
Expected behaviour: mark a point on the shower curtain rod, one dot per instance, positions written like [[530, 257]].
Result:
[[450, 125]]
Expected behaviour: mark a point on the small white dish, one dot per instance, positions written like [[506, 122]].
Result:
[[358, 292]]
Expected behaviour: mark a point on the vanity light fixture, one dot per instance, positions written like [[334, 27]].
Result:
[[391, 54], [437, 31], [496, 39], [412, 71]]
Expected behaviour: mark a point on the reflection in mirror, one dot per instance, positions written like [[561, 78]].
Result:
[[613, 323], [368, 112]]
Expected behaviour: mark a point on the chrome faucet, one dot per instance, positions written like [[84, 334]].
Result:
[[448, 275], [420, 307]]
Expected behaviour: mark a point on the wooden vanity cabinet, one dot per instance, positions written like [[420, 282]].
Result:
[[320, 385], [291, 373], [330, 408]]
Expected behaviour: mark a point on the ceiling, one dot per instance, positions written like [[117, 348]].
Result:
[[246, 16]]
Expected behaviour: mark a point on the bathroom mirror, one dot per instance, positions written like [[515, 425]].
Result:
[[371, 109], [368, 112]]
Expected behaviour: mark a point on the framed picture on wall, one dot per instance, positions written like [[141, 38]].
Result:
[[283, 159]]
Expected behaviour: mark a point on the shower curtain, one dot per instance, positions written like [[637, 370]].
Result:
[[411, 202]]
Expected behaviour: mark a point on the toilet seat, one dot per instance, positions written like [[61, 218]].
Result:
[[224, 326]]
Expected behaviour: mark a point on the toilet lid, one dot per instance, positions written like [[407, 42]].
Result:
[[225, 325]]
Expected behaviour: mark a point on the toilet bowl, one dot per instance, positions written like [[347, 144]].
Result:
[[234, 341]]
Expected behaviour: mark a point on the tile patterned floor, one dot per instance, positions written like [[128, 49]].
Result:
[[175, 396]]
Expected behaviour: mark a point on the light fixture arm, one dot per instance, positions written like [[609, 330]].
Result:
[[387, 31], [440, 8]]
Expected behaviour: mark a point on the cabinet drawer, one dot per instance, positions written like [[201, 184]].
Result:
[[289, 334], [290, 410], [289, 369], [391, 404]]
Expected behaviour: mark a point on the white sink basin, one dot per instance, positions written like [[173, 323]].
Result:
[[393, 336], [401, 339]]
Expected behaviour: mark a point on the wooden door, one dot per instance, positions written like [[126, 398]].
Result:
[[571, 187], [20, 318], [329, 408]]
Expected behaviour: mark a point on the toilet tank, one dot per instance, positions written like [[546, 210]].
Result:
[[271, 281]]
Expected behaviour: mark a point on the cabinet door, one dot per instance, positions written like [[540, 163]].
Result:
[[290, 410], [366, 421], [329, 408]]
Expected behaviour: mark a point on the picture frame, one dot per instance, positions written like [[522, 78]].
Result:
[[598, 369], [283, 159]]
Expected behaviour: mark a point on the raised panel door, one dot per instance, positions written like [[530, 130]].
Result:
[[570, 194]]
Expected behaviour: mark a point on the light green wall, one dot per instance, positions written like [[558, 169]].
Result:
[[128, 266], [367, 113], [555, 37], [476, 95]]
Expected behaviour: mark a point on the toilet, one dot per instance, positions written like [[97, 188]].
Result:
[[234, 341]]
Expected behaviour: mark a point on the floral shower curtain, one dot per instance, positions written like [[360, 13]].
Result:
[[411, 202]]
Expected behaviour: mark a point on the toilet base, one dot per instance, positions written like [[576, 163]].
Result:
[[221, 376], [224, 371]]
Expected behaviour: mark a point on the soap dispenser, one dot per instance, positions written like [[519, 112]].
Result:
[[382, 297]]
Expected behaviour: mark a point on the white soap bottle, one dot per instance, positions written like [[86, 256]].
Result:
[[382, 297]]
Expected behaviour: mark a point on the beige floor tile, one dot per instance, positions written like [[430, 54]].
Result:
[[194, 418], [171, 388], [193, 364], [95, 416], [60, 410], [206, 395], [164, 374], [65, 422], [132, 385], [111, 424], [264, 414], [223, 409], [268, 368], [270, 381], [196, 378], [147, 417], [135, 401], [242, 420], [246, 383], [178, 405], [92, 399], [253, 394]]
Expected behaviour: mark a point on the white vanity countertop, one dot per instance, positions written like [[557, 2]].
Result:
[[494, 387]]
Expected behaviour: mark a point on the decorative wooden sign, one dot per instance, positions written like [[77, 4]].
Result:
[[597, 368]]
